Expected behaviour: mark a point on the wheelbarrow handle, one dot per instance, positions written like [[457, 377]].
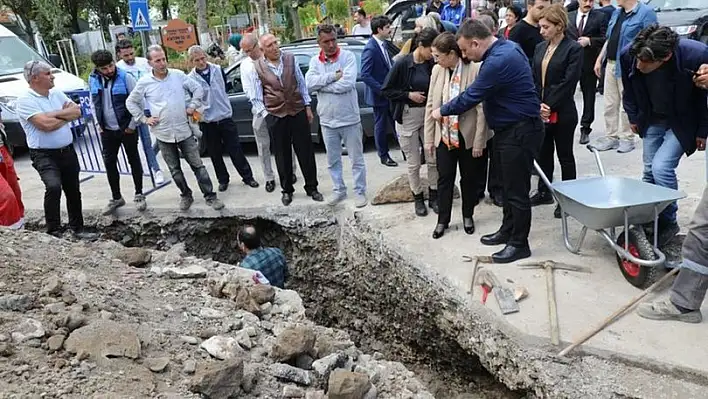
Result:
[[543, 176], [596, 153]]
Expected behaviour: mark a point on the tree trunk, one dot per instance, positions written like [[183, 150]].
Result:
[[297, 30], [202, 24], [28, 30]]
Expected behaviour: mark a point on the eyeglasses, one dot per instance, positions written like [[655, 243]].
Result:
[[31, 70]]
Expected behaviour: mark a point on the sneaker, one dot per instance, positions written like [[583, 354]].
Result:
[[605, 143], [159, 177], [140, 203], [625, 146], [215, 203], [185, 203], [336, 198], [360, 200], [113, 205], [665, 310]]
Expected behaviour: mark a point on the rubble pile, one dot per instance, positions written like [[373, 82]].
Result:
[[81, 319]]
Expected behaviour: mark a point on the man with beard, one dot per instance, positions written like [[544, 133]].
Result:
[[109, 88]]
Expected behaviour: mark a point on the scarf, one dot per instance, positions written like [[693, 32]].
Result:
[[451, 124]]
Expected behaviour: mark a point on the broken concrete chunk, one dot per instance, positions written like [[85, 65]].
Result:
[[262, 293], [190, 366], [222, 347], [157, 364], [398, 190], [28, 329], [344, 384], [55, 342], [104, 339], [52, 287], [135, 257], [219, 380], [290, 391], [293, 342], [245, 301], [16, 303], [244, 339], [289, 373], [207, 313], [193, 271], [323, 367]]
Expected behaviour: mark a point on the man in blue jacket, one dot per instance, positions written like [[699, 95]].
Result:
[[513, 110], [664, 106], [376, 61], [109, 87], [453, 11]]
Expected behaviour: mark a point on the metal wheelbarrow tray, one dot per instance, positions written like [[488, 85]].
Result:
[[606, 202]]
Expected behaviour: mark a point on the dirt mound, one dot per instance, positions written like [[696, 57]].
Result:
[[77, 321]]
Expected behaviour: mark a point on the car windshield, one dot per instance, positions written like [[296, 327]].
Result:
[[14, 54], [665, 5]]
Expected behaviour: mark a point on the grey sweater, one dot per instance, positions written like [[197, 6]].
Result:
[[337, 100]]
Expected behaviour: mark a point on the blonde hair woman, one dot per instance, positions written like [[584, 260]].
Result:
[[457, 140], [421, 23]]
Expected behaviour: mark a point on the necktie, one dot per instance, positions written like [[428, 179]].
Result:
[[581, 25], [385, 54]]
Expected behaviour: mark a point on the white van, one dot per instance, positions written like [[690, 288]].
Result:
[[14, 54]]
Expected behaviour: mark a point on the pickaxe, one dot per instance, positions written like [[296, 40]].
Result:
[[549, 265]]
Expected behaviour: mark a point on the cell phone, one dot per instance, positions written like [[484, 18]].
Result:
[[694, 73]]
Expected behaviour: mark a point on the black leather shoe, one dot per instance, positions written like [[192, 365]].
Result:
[[388, 162], [557, 212], [439, 231], [498, 202], [252, 183], [419, 204], [316, 196], [541, 198], [223, 186], [468, 224], [270, 186], [496, 238], [511, 254], [584, 137], [287, 199]]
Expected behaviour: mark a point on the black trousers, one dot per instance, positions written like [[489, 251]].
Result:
[[220, 136], [516, 146], [471, 172], [59, 170], [494, 183], [558, 138], [588, 85], [288, 133], [111, 141]]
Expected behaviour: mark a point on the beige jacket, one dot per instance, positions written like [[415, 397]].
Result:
[[473, 126]]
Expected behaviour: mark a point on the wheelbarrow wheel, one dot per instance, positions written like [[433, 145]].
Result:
[[640, 247]]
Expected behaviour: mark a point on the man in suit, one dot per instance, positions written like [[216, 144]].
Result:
[[588, 27], [376, 61]]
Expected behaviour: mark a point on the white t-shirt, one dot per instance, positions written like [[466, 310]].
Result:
[[361, 30], [138, 69]]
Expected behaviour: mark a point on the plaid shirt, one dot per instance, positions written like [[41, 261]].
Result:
[[270, 262]]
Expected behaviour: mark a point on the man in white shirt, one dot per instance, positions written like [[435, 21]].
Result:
[[362, 27], [250, 47], [139, 67], [45, 114], [161, 92]]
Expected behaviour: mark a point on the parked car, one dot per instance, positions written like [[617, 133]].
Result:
[[688, 18], [303, 50]]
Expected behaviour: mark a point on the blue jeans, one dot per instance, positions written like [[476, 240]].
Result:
[[662, 152], [147, 148], [351, 136]]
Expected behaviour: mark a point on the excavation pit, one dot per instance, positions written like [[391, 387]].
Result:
[[352, 277]]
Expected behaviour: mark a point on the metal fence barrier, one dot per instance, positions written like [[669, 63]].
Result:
[[89, 149]]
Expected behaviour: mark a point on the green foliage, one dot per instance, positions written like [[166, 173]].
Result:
[[373, 7], [337, 9], [308, 14]]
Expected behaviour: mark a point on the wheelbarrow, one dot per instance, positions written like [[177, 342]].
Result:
[[605, 203]]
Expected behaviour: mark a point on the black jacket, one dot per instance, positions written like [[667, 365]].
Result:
[[595, 28], [562, 74], [398, 84]]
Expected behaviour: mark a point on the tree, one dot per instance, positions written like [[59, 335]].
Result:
[[26, 12]]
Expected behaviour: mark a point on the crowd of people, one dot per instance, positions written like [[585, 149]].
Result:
[[486, 98]]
